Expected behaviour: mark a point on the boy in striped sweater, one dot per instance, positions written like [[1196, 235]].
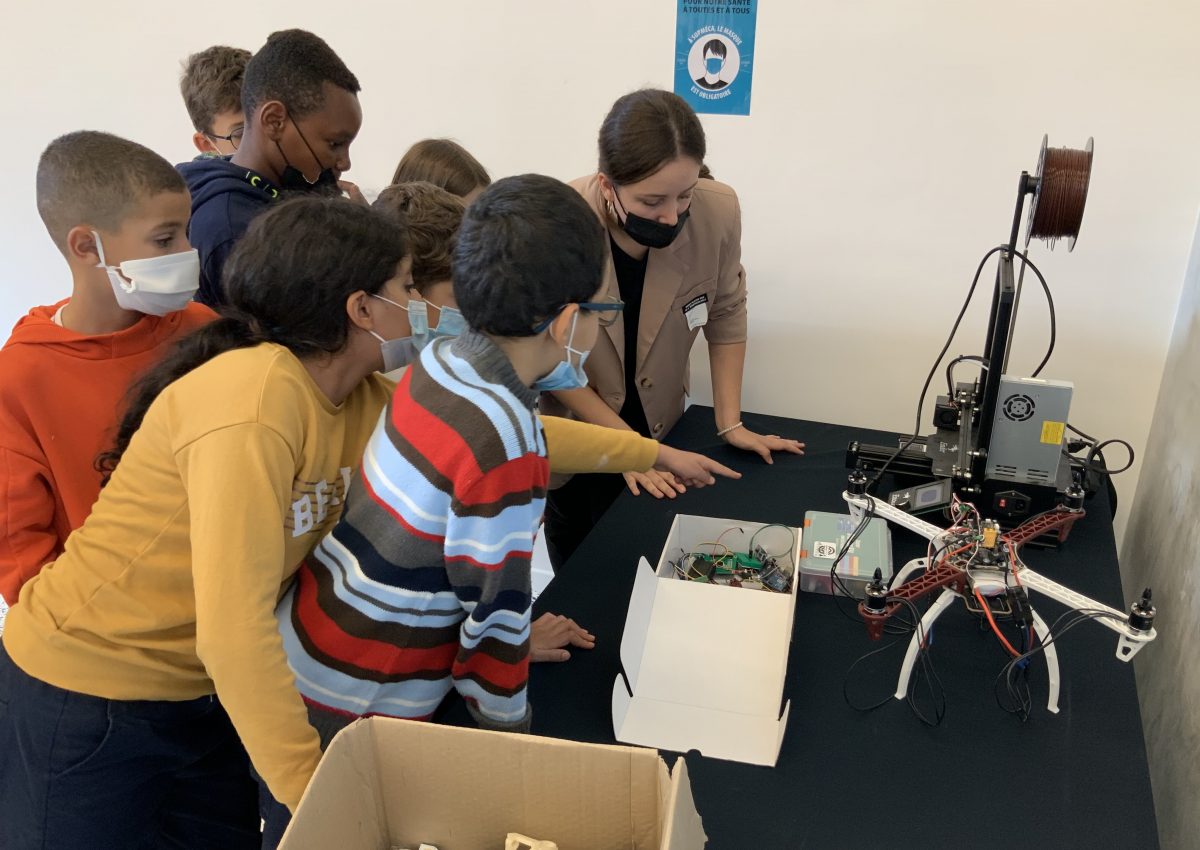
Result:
[[424, 585]]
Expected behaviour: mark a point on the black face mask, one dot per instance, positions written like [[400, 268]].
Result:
[[293, 179], [647, 231]]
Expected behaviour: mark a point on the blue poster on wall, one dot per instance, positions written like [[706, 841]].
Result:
[[714, 54]]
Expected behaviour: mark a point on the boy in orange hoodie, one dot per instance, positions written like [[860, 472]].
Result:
[[118, 212]]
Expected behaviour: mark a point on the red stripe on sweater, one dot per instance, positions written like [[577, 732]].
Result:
[[445, 448], [527, 556], [508, 676], [368, 654], [519, 475]]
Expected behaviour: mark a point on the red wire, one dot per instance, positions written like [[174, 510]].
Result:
[[987, 611]]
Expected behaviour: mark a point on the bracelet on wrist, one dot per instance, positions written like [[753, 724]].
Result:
[[723, 431]]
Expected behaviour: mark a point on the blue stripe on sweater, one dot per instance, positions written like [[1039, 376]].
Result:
[[503, 709], [405, 490], [507, 532], [386, 604]]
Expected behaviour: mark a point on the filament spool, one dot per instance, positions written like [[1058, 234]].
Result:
[[1063, 175]]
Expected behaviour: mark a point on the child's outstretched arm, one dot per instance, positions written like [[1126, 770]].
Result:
[[576, 446]]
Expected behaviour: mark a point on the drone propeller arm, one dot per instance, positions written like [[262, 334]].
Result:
[[1130, 639], [858, 504], [1059, 518]]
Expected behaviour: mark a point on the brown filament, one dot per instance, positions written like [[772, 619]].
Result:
[[1061, 196]]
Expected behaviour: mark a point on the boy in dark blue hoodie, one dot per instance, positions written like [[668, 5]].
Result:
[[302, 113]]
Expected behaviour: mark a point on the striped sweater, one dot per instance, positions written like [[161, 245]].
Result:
[[423, 586]]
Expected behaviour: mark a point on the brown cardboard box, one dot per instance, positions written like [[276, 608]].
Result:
[[388, 783]]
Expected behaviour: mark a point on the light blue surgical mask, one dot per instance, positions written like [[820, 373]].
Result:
[[713, 64], [401, 351], [565, 375], [450, 322]]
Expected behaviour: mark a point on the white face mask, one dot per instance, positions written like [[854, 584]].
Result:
[[155, 286]]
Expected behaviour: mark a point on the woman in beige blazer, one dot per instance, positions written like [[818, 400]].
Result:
[[675, 261]]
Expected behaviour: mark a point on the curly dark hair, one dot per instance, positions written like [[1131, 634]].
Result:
[[292, 67]]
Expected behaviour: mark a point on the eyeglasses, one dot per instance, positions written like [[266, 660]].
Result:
[[609, 309], [234, 138]]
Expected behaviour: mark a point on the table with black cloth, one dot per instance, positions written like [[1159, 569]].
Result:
[[847, 779]]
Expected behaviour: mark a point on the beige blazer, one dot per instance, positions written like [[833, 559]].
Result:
[[704, 262]]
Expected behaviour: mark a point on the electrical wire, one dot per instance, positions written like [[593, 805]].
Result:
[[1025, 261], [950, 371], [788, 529], [1023, 702], [933, 370]]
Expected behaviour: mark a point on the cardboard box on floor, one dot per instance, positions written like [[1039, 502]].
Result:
[[388, 783], [705, 664]]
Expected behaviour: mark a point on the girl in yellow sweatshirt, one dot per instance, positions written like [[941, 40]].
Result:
[[132, 666]]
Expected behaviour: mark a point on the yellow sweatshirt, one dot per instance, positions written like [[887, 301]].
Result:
[[168, 590]]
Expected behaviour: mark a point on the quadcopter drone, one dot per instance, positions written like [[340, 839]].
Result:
[[974, 561]]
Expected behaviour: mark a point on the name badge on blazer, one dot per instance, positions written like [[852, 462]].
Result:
[[696, 311]]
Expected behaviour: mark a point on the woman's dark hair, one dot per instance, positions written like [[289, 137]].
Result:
[[644, 131], [286, 282], [528, 246]]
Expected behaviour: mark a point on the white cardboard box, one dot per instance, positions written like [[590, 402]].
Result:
[[387, 783], [705, 664]]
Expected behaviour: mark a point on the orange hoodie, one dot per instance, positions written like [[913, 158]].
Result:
[[61, 396]]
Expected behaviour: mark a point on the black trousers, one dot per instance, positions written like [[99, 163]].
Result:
[[574, 509], [81, 771]]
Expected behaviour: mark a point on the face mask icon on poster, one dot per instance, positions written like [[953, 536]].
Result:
[[647, 231], [155, 286]]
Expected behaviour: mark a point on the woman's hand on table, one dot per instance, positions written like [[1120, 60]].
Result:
[[763, 446]]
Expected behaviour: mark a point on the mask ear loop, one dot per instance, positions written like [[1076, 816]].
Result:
[[571, 339], [127, 285], [311, 152]]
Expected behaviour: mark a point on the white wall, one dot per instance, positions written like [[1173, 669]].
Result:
[[879, 163]]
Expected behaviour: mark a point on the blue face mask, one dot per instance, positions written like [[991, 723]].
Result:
[[450, 323], [713, 64], [565, 375]]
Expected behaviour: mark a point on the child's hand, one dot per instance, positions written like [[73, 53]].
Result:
[[551, 632], [657, 484], [353, 192], [691, 469]]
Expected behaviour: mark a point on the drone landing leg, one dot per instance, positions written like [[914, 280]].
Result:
[[914, 645], [1051, 653]]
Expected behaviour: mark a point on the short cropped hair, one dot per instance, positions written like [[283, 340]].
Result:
[[212, 83], [528, 246], [433, 217], [95, 178], [292, 67], [444, 163]]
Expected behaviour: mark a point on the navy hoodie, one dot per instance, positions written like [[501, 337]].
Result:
[[225, 199]]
